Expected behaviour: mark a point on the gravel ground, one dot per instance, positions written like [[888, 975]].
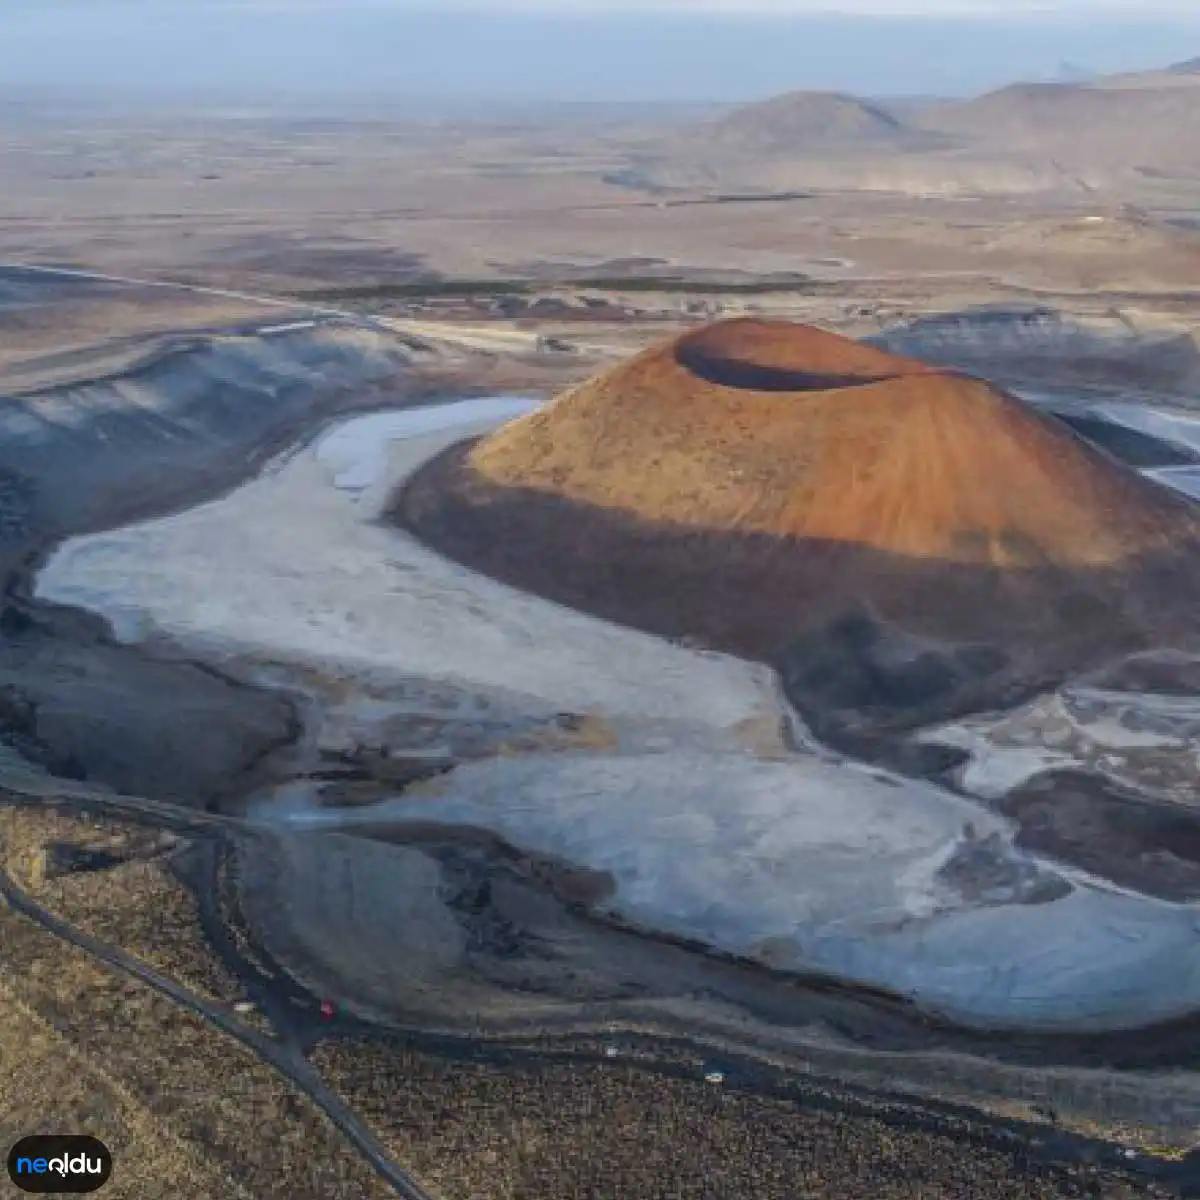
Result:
[[566, 1130]]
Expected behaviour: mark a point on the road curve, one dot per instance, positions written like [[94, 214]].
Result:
[[198, 289], [487, 339], [491, 340], [291, 1065]]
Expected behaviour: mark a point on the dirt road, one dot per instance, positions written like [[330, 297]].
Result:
[[286, 1059]]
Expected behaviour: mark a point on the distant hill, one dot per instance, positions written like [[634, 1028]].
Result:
[[1027, 112], [1123, 135], [797, 140], [1121, 122], [797, 120]]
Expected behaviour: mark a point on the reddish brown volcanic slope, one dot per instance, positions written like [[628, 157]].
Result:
[[775, 490]]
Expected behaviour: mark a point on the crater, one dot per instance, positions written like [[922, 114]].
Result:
[[774, 356]]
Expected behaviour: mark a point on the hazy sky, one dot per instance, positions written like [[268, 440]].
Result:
[[577, 49]]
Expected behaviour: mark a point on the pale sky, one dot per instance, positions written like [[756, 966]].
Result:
[[966, 8], [681, 50]]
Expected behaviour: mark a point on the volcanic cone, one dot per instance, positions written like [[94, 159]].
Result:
[[903, 541]]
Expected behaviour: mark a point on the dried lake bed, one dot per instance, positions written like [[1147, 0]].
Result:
[[699, 822]]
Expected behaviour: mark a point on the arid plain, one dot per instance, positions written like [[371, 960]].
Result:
[[271, 741]]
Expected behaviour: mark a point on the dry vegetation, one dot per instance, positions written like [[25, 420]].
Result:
[[580, 1129], [49, 1084], [138, 905], [177, 1095]]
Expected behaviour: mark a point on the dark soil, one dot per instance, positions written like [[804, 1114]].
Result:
[[1092, 823]]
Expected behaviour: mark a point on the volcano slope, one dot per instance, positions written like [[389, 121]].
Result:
[[903, 542]]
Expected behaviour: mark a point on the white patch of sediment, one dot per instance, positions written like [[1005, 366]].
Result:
[[819, 869], [297, 565], [994, 770], [1143, 740], [1175, 427], [1182, 479], [358, 450]]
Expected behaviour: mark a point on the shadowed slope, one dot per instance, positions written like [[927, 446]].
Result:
[[918, 539]]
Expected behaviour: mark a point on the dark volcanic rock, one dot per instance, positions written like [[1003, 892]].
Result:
[[859, 672], [159, 729], [1090, 822], [1163, 673]]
